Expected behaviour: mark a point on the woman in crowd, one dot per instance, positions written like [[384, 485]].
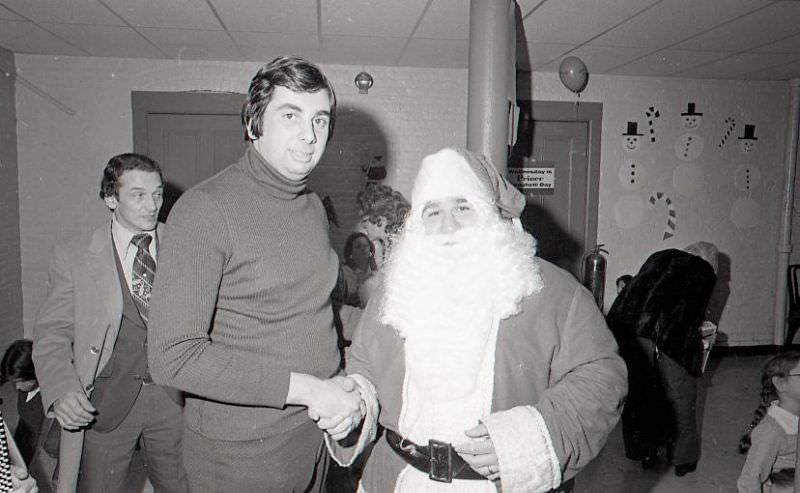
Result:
[[359, 265], [382, 210]]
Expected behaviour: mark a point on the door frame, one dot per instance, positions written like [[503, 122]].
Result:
[[144, 103], [592, 115]]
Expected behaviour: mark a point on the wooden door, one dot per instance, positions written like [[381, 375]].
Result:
[[562, 216], [191, 135]]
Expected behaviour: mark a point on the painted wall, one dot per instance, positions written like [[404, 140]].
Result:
[[720, 193], [717, 191], [407, 114], [794, 256], [10, 273]]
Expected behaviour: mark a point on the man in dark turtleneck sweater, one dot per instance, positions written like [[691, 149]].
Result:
[[243, 321]]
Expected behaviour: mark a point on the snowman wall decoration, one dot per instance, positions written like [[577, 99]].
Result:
[[631, 137], [690, 119], [689, 146], [747, 142]]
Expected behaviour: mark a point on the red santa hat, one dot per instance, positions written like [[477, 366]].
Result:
[[454, 172]]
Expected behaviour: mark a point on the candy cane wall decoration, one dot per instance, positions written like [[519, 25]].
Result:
[[652, 113], [669, 231], [730, 123]]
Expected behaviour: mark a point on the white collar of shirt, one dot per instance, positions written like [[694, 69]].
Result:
[[787, 420], [127, 251], [122, 240], [32, 394]]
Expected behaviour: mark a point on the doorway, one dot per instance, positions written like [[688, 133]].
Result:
[[561, 140], [192, 136]]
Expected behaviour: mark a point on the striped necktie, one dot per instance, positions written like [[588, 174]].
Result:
[[144, 271]]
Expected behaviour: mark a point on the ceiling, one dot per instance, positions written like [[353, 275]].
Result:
[[718, 39]]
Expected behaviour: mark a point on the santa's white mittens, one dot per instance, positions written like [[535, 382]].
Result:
[[528, 461]]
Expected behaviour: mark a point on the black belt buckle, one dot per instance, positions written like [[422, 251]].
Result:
[[441, 457]]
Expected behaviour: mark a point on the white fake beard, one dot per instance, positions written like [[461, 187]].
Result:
[[443, 281], [446, 300]]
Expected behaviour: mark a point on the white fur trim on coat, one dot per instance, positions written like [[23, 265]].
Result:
[[369, 427], [527, 459]]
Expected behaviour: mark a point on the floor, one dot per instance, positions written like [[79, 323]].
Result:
[[729, 392]]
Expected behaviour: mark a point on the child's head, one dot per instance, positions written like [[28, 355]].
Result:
[[780, 380], [777, 379], [17, 366]]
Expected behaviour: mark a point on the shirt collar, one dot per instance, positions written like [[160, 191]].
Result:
[[32, 394], [785, 419], [122, 237]]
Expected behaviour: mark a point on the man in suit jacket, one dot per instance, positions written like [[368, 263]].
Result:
[[91, 339]]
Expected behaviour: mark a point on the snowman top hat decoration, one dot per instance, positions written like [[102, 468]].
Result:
[[749, 132], [690, 110], [633, 129]]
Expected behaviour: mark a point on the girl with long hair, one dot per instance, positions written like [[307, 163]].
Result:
[[771, 438]]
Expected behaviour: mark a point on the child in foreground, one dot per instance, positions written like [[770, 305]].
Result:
[[771, 439]]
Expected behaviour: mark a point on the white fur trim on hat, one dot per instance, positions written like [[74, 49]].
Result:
[[446, 174]]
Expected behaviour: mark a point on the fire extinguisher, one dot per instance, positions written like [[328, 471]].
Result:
[[594, 273]]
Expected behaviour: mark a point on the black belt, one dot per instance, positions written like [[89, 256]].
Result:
[[438, 459]]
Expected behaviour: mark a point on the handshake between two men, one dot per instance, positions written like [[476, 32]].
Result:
[[335, 404]]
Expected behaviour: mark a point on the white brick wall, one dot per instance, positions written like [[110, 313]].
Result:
[[406, 115]]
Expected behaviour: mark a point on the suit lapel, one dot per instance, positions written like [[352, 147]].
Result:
[[103, 269]]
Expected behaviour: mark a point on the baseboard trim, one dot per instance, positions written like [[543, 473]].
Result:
[[758, 350]]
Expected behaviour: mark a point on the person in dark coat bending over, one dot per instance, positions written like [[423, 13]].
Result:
[[656, 320]]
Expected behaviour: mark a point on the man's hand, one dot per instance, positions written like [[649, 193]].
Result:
[[74, 411], [334, 404], [338, 427], [479, 452], [21, 481]]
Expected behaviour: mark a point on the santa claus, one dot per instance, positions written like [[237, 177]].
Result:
[[492, 368]]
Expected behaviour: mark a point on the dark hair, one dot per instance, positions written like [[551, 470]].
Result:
[[293, 73], [119, 164], [626, 278], [378, 202], [17, 363], [777, 366], [348, 248]]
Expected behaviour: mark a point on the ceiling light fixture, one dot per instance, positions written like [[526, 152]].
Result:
[[364, 82]]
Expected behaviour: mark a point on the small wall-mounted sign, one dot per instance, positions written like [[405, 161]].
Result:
[[535, 178]]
